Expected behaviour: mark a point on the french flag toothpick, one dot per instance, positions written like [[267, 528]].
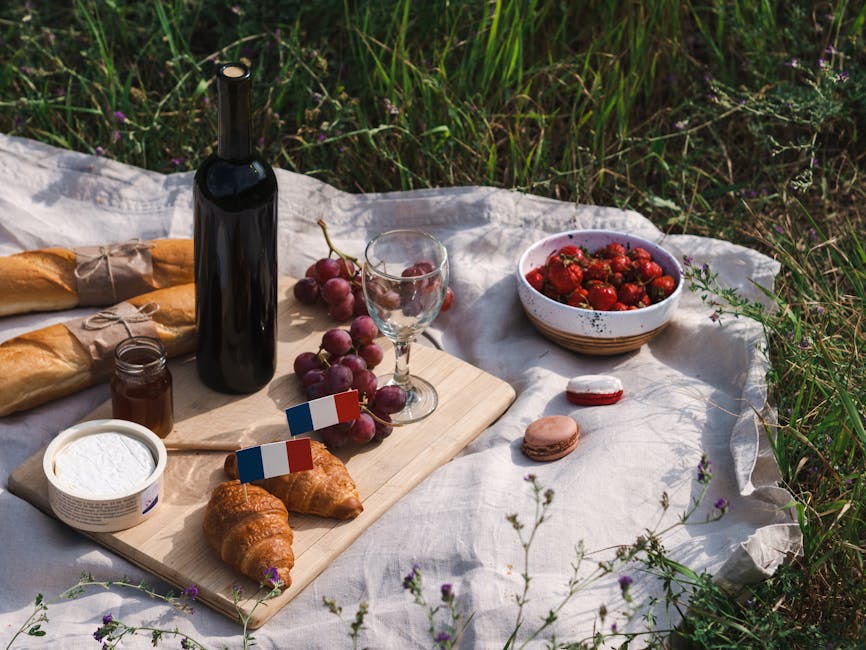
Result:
[[296, 455], [274, 459], [323, 412]]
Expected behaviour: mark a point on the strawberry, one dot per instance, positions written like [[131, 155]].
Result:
[[577, 298], [564, 276], [614, 249], [598, 270], [648, 270], [620, 264], [535, 278], [630, 293], [602, 296], [661, 287]]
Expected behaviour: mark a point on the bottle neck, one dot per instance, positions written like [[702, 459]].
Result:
[[233, 86]]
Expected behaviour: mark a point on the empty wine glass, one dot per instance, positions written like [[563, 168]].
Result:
[[405, 275]]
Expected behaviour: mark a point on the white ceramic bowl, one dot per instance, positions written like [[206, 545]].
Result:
[[585, 330]]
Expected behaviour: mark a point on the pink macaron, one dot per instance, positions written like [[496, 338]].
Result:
[[550, 438], [593, 390]]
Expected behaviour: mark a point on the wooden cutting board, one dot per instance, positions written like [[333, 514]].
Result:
[[171, 544]]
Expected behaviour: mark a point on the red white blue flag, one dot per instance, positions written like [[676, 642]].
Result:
[[274, 459], [323, 412], [296, 455]]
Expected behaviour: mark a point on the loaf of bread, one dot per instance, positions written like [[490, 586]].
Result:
[[249, 530], [51, 362], [45, 279], [327, 490]]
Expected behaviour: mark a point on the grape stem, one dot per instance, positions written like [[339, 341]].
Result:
[[334, 249], [380, 420]]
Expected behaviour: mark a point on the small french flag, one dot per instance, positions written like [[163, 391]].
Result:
[[323, 412], [274, 459]]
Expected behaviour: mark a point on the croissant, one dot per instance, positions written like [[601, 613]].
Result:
[[249, 530], [327, 490]]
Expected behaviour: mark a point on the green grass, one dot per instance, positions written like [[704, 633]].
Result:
[[693, 113]]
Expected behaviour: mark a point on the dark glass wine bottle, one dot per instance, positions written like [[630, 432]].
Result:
[[235, 196]]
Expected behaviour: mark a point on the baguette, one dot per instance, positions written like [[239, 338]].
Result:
[[45, 280], [51, 362]]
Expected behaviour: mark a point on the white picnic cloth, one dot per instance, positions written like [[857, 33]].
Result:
[[698, 387]]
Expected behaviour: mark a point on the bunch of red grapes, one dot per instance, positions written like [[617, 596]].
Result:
[[612, 278], [336, 281], [344, 361]]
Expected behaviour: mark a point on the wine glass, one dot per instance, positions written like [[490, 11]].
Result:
[[405, 274]]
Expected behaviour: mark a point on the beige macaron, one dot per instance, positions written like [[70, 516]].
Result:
[[550, 437]]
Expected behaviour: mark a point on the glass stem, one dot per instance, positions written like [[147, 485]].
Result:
[[401, 366]]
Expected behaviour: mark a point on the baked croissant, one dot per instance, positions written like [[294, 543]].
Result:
[[327, 490], [249, 530]]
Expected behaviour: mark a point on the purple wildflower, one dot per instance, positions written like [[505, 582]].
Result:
[[322, 137], [705, 469], [613, 628], [190, 592], [272, 576], [99, 151], [108, 618], [715, 316], [442, 639], [624, 583], [722, 505], [779, 229], [842, 77], [688, 260], [119, 116], [447, 593], [411, 577], [115, 136]]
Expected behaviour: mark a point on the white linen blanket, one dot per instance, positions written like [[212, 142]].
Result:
[[698, 387]]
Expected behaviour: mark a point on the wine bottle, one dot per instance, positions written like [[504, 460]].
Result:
[[235, 243]]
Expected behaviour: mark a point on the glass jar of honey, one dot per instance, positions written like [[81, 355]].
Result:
[[141, 388]]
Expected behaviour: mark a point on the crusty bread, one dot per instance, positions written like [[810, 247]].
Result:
[[249, 530], [50, 362], [44, 280], [327, 490]]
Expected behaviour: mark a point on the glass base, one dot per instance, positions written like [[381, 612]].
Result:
[[421, 399]]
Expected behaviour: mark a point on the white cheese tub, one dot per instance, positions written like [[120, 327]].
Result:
[[104, 475]]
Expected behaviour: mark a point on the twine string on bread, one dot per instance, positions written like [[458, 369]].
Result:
[[105, 253], [109, 317]]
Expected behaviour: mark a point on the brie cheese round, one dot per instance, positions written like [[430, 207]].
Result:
[[104, 464]]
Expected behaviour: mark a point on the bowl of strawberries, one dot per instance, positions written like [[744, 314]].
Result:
[[598, 292]]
